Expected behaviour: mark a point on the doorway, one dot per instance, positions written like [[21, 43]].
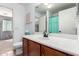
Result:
[[6, 31]]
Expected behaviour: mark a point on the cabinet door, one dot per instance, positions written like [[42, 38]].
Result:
[[25, 47], [34, 49], [46, 51]]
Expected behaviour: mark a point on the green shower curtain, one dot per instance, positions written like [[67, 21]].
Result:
[[53, 24]]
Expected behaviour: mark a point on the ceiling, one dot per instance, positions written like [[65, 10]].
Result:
[[40, 7], [55, 7], [5, 11], [25, 5]]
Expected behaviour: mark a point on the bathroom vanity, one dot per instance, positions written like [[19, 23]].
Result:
[[37, 45]]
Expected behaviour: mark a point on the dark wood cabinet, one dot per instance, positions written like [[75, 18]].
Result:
[[31, 48], [25, 47], [34, 49], [46, 51]]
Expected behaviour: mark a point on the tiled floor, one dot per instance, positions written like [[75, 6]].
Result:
[[6, 48], [7, 53]]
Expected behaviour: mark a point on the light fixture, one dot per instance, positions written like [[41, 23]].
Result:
[[46, 4], [49, 6]]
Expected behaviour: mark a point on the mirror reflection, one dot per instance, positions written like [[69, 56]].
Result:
[[62, 18]]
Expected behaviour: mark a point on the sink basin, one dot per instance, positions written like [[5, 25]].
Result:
[[44, 38]]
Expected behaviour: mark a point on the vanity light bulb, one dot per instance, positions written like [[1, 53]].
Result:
[[49, 6], [45, 3]]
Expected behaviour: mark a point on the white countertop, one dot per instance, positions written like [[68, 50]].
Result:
[[67, 45]]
